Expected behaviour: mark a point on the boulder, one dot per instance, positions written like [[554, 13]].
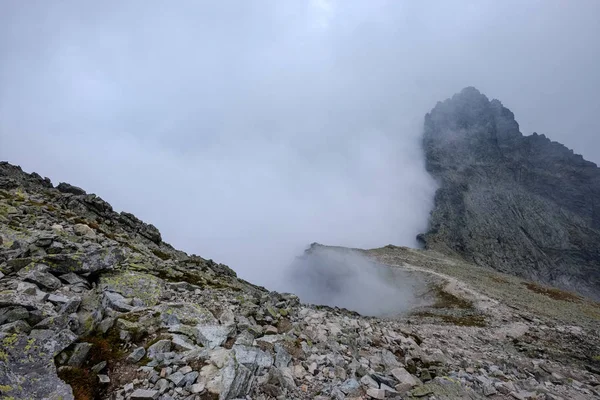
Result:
[[67, 188], [80, 353], [144, 394], [84, 262]]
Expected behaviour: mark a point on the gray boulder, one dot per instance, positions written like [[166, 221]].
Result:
[[67, 188]]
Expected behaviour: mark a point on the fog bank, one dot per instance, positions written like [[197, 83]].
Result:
[[246, 130]]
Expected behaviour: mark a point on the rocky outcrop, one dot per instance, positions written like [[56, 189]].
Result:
[[520, 204], [94, 305]]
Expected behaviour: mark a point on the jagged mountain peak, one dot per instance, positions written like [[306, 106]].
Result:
[[520, 204]]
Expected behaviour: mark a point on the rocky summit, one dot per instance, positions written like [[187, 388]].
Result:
[[520, 204], [95, 305]]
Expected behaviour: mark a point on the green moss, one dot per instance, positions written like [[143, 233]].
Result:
[[29, 345], [9, 341], [133, 284], [273, 312], [553, 293]]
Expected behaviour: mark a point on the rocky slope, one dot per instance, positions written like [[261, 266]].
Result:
[[93, 304], [520, 204]]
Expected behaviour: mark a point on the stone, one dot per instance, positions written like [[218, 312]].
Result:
[[57, 229], [523, 395], [387, 389], [382, 379], [137, 354], [190, 378], [173, 314], [145, 290], [252, 357], [350, 386], [99, 367], [405, 378], [24, 357], [71, 306], [12, 314], [283, 377], [154, 376], [73, 279], [55, 248], [369, 382], [197, 388], [376, 393], [212, 336], [162, 385], [162, 346], [183, 343], [489, 390], [67, 188], [177, 378], [271, 330], [93, 261], [144, 394], [10, 298], [43, 279], [282, 357], [236, 380], [80, 353], [421, 391], [106, 324], [425, 375], [19, 326], [84, 230], [185, 370], [312, 368], [116, 301], [298, 371]]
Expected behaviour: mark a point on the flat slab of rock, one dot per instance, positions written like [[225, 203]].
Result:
[[80, 263], [212, 336], [144, 394], [29, 360]]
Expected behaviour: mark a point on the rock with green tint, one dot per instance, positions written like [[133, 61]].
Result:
[[145, 287], [89, 262], [184, 313], [27, 366], [421, 391]]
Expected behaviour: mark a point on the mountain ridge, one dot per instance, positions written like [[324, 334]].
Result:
[[521, 204]]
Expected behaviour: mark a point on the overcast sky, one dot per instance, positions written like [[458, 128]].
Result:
[[247, 129]]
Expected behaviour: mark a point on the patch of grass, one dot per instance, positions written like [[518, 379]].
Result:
[[459, 320], [499, 279], [93, 225], [105, 347], [443, 299], [553, 293], [110, 235], [83, 382]]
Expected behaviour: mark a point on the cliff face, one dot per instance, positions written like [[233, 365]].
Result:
[[520, 204]]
